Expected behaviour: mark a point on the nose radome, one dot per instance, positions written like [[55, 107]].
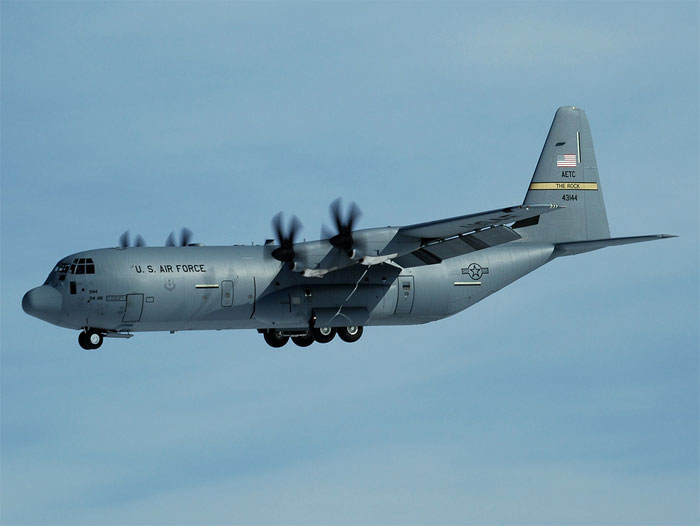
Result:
[[43, 302]]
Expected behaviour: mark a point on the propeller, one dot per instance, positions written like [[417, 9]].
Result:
[[125, 241], [285, 239], [185, 238], [344, 224]]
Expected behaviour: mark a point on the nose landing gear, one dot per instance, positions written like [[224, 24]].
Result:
[[90, 339]]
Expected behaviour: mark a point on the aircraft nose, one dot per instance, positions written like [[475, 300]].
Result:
[[43, 302]]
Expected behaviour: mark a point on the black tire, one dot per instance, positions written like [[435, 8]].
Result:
[[303, 340], [83, 341], [275, 339], [90, 340], [323, 334], [350, 334]]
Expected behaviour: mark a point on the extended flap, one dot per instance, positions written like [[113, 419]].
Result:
[[437, 251]]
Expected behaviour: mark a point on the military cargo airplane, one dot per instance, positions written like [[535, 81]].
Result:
[[349, 279]]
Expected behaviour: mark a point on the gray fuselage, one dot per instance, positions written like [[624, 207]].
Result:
[[241, 287]]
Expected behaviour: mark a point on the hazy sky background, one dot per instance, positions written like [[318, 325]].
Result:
[[569, 397]]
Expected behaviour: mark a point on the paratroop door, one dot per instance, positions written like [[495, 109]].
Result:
[[404, 301], [226, 293]]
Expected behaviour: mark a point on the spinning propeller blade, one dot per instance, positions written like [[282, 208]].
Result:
[[344, 225], [285, 252], [125, 241], [185, 238]]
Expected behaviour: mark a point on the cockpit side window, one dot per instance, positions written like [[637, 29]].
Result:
[[59, 272], [62, 269]]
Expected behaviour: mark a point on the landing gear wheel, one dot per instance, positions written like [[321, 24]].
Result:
[[323, 334], [83, 341], [303, 340], [275, 338], [90, 340], [350, 334]]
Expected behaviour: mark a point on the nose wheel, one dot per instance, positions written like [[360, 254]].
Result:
[[90, 339]]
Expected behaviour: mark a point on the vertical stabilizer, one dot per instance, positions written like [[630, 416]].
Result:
[[567, 174]]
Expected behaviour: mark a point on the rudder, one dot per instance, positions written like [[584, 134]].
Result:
[[567, 174]]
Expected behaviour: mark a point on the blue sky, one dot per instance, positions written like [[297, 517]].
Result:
[[569, 397]]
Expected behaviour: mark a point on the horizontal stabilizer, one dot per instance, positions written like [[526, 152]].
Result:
[[579, 247]]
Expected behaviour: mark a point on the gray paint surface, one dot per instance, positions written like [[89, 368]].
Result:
[[392, 276]]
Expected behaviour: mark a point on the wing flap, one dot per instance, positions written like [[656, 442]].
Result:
[[438, 251]]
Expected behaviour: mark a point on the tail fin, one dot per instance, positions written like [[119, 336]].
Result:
[[567, 174]]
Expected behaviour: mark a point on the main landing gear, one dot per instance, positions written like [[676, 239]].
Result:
[[278, 338], [90, 339]]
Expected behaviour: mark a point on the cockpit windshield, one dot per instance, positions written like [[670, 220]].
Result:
[[82, 266], [63, 268]]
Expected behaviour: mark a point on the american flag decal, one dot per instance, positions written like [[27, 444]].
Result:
[[568, 159]]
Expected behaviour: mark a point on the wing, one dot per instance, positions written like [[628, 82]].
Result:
[[454, 226], [416, 245], [448, 238]]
